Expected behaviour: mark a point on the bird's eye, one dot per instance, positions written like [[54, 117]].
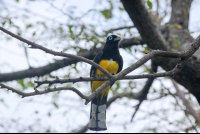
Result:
[[110, 38]]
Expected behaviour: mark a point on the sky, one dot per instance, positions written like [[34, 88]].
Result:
[[12, 58]]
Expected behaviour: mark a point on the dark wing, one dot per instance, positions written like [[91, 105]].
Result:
[[120, 64], [96, 59]]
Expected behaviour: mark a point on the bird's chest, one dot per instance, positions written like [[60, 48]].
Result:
[[109, 65]]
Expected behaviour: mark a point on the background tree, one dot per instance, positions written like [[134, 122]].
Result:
[[66, 28]]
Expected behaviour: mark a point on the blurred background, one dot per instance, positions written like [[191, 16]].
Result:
[[75, 27]]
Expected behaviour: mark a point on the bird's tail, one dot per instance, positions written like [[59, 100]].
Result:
[[98, 114]]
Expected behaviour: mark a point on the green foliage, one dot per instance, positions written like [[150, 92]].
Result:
[[176, 41], [146, 49], [149, 3], [25, 84], [29, 26], [55, 104], [107, 14]]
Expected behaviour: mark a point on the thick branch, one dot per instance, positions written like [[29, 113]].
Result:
[[180, 12], [189, 76], [143, 22], [128, 77], [40, 71], [183, 55], [36, 46]]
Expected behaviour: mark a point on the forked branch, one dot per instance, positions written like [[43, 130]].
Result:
[[183, 56]]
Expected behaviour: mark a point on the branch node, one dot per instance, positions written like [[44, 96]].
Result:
[[57, 78], [86, 102], [36, 91], [172, 74], [50, 84]]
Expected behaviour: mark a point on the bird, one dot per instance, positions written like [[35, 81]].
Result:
[[110, 59]]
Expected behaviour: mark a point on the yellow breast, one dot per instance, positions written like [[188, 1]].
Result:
[[109, 65]]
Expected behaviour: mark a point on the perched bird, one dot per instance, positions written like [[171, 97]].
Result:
[[110, 59]]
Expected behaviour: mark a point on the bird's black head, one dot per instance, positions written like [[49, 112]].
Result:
[[112, 41]]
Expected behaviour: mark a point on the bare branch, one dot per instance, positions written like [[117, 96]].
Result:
[[183, 55], [82, 79], [119, 28], [143, 93], [36, 46], [189, 108], [44, 91], [40, 71]]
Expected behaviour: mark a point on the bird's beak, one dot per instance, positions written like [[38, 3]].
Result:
[[117, 39]]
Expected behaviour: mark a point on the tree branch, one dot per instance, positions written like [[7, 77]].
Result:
[[40, 71], [23, 94], [189, 76], [142, 20], [189, 108], [180, 12], [119, 28], [183, 55], [143, 93], [36, 46]]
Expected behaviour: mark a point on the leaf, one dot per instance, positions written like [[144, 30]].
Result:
[[175, 37], [71, 32], [146, 49], [149, 3], [33, 34], [107, 13], [21, 82], [28, 26], [30, 84], [196, 122], [44, 25], [121, 9], [55, 104], [178, 26]]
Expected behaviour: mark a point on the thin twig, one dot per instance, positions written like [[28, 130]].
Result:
[[23, 94], [36, 46], [182, 55], [189, 108]]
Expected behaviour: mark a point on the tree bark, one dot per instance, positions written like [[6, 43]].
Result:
[[189, 77]]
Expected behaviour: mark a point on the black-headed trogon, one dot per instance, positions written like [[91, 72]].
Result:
[[110, 59]]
